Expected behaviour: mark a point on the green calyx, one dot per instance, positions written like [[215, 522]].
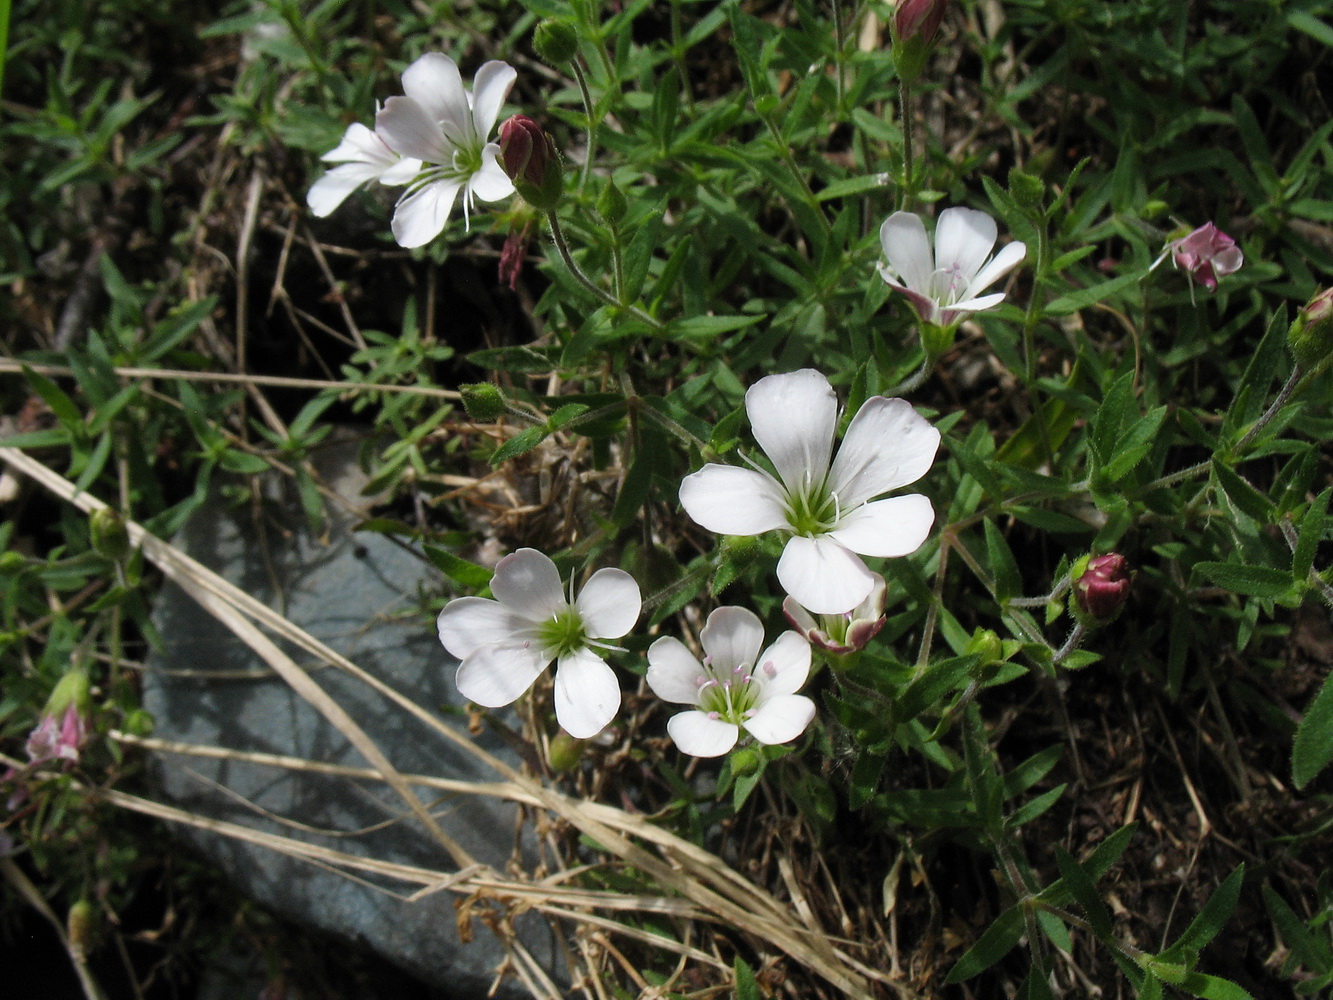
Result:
[[814, 512]]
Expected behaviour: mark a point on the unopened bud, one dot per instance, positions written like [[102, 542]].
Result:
[[1026, 189], [566, 752], [914, 25], [109, 536], [611, 204], [1311, 335], [556, 41], [987, 645], [1101, 587], [79, 925], [532, 162], [482, 401], [745, 761]]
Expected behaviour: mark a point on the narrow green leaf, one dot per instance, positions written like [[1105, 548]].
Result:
[[747, 988], [704, 327], [1311, 534], [53, 396], [1029, 811], [1215, 913], [1085, 894], [1312, 26], [1022, 777], [1253, 581], [1213, 987], [1007, 581], [469, 574], [524, 441], [1244, 497], [1313, 748], [1097, 864], [999, 939], [1311, 951]]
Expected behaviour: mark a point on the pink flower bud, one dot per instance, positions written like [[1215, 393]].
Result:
[[845, 633], [65, 722], [1206, 254], [1103, 587], [532, 162], [918, 20]]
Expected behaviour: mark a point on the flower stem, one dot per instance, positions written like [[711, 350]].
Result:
[[558, 235], [785, 152], [904, 112], [592, 128], [1076, 636], [915, 380], [1279, 401], [1060, 590]]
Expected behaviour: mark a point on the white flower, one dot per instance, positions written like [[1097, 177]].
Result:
[[441, 124], [827, 510], [364, 158], [506, 643], [948, 282], [735, 686]]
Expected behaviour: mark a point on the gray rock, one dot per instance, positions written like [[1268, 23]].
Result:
[[355, 592]]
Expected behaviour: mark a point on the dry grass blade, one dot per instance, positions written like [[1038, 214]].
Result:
[[717, 892]]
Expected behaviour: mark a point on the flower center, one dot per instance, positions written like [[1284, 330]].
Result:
[[813, 511], [731, 695], [564, 633]]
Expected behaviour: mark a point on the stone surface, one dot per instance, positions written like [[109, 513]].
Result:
[[355, 592]]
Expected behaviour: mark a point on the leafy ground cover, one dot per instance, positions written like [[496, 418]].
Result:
[[1024, 773]]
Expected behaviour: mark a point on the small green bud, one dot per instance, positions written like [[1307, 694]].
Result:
[[745, 761], [80, 924], [766, 105], [72, 689], [1310, 336], [482, 401], [139, 723], [611, 204], [566, 751], [1027, 190], [109, 536], [987, 644], [1153, 209], [11, 562], [556, 41]]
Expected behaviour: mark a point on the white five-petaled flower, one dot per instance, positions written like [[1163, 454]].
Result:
[[506, 643], [362, 157], [827, 509], [947, 282], [736, 686], [447, 128]]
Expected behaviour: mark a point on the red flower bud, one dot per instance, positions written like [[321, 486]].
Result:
[[532, 162], [1102, 588], [918, 20]]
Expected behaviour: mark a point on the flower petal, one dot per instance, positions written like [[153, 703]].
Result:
[[498, 675], [887, 445], [699, 735], [907, 247], [673, 672], [468, 623], [731, 637], [402, 172], [783, 667], [490, 87], [733, 501], [587, 694], [359, 144], [433, 82], [925, 306], [888, 528], [822, 574], [490, 183], [1009, 257], [781, 719], [331, 190], [409, 130], [963, 240], [609, 604], [528, 584], [793, 417], [970, 305]]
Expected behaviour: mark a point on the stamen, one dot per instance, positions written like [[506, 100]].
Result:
[[770, 671], [714, 715]]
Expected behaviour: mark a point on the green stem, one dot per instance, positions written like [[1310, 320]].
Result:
[[557, 234], [582, 79], [904, 113], [915, 380], [784, 151]]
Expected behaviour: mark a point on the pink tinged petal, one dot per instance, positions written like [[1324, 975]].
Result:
[[468, 623], [673, 672], [587, 694], [421, 215], [799, 618], [1009, 257], [783, 667], [528, 584], [733, 501], [609, 604], [490, 87], [822, 574], [731, 637], [1229, 261], [402, 172], [433, 82], [887, 445], [907, 247], [498, 675], [698, 735], [925, 306], [887, 528], [332, 189], [793, 417], [781, 719], [409, 130], [963, 240], [490, 183]]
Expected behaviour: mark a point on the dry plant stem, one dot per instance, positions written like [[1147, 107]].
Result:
[[28, 892], [274, 381], [558, 235], [689, 871]]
